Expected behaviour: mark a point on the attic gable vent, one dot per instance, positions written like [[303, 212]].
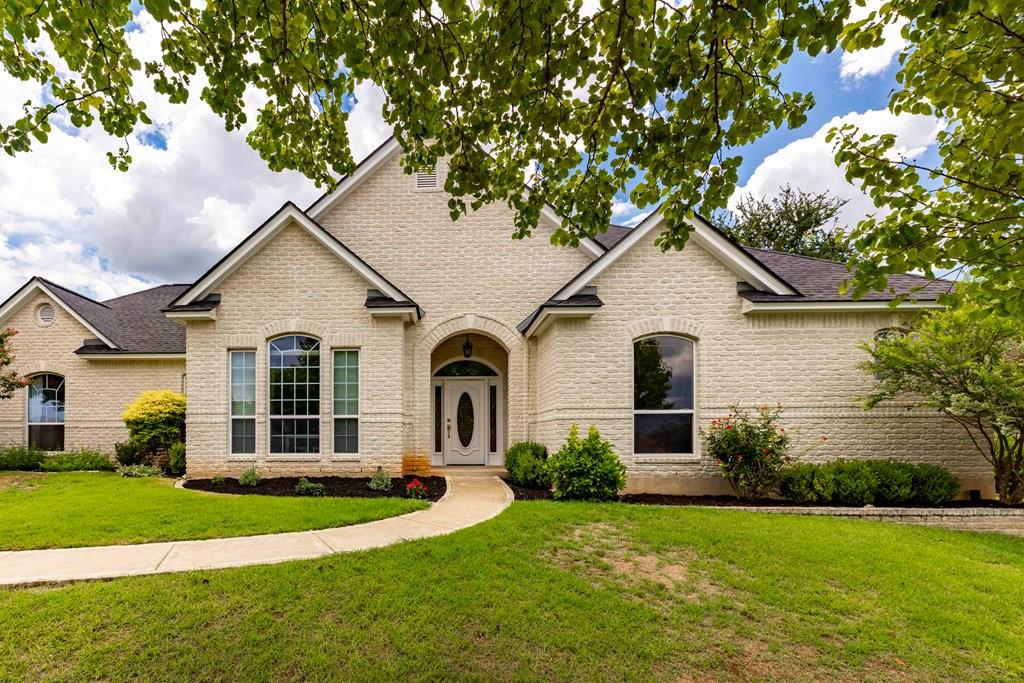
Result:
[[426, 180]]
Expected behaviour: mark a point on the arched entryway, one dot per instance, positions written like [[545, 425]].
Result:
[[468, 401]]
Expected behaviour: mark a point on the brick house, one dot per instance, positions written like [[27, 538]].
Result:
[[371, 329]]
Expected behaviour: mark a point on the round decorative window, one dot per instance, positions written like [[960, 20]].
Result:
[[45, 314]]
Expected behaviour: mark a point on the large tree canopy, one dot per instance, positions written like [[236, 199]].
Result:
[[653, 97]]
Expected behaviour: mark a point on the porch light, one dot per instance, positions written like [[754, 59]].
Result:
[[467, 348]]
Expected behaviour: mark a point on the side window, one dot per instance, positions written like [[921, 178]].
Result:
[[243, 401], [346, 401], [46, 412], [663, 396]]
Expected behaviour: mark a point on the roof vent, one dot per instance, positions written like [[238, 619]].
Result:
[[426, 180], [45, 314]]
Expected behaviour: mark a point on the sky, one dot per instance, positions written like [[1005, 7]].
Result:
[[194, 190]]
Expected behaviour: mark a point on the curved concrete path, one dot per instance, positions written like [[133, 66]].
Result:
[[469, 500]]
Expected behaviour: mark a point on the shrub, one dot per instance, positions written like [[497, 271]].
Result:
[[128, 453], [80, 461], [156, 419], [934, 484], [527, 465], [250, 477], [217, 481], [416, 489], [750, 451], [140, 471], [24, 458], [176, 458], [854, 481], [807, 484], [895, 481], [381, 480], [305, 487], [586, 469]]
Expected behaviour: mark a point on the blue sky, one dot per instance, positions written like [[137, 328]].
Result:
[[194, 190]]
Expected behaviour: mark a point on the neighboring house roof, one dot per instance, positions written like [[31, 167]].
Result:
[[127, 325]]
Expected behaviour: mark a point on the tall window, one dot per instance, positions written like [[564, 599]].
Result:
[[243, 401], [346, 401], [46, 412], [663, 395], [295, 395]]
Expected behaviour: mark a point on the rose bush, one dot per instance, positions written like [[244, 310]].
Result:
[[750, 450]]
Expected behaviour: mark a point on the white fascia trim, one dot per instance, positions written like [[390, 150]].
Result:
[[834, 306], [548, 315], [721, 248], [269, 230], [34, 285], [132, 356], [590, 246], [192, 315], [352, 181]]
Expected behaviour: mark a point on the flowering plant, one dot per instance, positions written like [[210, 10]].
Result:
[[750, 450], [416, 489]]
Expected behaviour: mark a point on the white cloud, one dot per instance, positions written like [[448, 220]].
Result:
[[808, 163], [875, 60], [67, 215]]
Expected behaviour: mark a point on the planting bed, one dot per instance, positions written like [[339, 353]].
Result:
[[347, 487]]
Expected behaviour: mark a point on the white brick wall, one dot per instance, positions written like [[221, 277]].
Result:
[[96, 391]]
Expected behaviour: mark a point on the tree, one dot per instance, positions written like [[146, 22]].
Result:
[[650, 98], [795, 222], [652, 376], [9, 380], [968, 365]]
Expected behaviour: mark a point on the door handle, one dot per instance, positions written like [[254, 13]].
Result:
[[449, 428]]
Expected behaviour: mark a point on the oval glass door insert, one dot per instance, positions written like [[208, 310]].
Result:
[[464, 419]]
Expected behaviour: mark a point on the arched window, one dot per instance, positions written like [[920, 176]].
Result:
[[294, 395], [663, 395], [46, 412]]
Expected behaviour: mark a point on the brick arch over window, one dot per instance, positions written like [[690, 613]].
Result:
[[671, 325], [298, 326], [41, 366], [516, 381]]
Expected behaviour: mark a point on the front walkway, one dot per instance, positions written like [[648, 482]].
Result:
[[470, 500]]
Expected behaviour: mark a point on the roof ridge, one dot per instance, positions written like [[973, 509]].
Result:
[[51, 283], [789, 253]]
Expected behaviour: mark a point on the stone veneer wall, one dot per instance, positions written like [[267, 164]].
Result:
[[96, 391], [1001, 520]]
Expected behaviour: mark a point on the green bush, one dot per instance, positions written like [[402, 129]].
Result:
[[218, 480], [250, 477], [381, 480], [586, 469], [854, 482], [934, 484], [176, 458], [140, 471], [23, 458], [305, 487], [128, 453], [527, 465], [78, 461], [156, 419], [750, 451], [895, 481], [807, 484]]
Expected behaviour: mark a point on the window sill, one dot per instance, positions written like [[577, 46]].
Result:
[[346, 457], [294, 457], [667, 458]]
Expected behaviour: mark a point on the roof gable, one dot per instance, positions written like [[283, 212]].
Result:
[[284, 216], [96, 317]]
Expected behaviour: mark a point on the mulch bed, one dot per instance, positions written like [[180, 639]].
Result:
[[523, 493], [349, 487]]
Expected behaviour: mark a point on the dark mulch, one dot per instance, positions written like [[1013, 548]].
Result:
[[523, 493], [351, 487]]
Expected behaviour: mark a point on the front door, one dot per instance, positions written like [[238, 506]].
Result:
[[465, 420]]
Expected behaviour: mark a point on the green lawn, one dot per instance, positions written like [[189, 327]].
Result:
[[94, 508], [557, 591]]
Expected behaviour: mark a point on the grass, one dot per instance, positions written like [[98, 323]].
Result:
[[556, 591], [93, 508]]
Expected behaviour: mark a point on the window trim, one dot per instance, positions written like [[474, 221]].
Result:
[[359, 398], [694, 453], [320, 395], [28, 411], [232, 417]]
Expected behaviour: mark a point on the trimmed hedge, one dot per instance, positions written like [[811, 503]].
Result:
[[83, 460], [864, 482], [22, 458], [527, 465], [586, 469]]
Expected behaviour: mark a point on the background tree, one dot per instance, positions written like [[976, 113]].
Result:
[[9, 380], [970, 366], [644, 97], [794, 221]]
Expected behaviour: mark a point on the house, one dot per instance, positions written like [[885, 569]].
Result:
[[372, 330]]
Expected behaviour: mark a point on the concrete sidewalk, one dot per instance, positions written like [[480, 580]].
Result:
[[470, 500]]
